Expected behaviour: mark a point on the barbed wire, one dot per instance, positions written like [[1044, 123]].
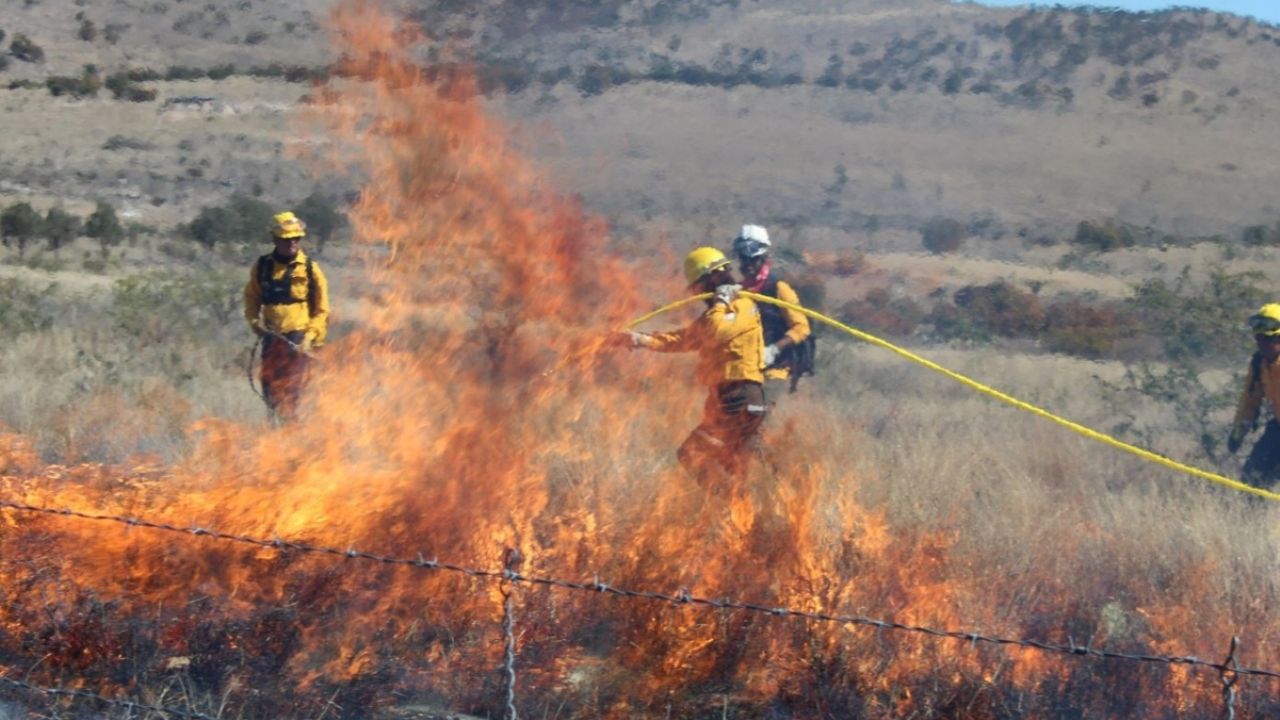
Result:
[[86, 695], [681, 597]]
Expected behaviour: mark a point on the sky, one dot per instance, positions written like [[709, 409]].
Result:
[[1268, 10]]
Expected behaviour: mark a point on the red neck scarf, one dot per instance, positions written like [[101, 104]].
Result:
[[754, 284]]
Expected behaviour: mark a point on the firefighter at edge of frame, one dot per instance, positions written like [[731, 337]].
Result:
[[1262, 468], [286, 302], [788, 350], [729, 340]]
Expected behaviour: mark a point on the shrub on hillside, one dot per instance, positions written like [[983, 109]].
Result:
[[880, 312], [60, 228], [159, 309], [811, 289], [1261, 235], [86, 85], [1105, 237], [323, 217], [979, 312], [104, 226], [849, 263], [1075, 327], [943, 235], [1201, 321], [241, 221], [25, 307], [20, 223], [25, 49], [88, 31], [182, 72]]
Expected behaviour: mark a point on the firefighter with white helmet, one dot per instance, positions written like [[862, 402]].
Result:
[[788, 352], [286, 302], [1262, 468], [729, 341]]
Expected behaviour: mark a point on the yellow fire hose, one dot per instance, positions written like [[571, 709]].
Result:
[[985, 390]]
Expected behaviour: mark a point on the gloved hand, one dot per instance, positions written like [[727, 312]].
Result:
[[630, 339], [727, 293], [1236, 438], [771, 353], [257, 327]]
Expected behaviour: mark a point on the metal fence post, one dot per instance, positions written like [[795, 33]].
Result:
[[511, 559], [1229, 678]]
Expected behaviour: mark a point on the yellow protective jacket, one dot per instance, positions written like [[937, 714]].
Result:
[[308, 308], [729, 341], [1255, 389]]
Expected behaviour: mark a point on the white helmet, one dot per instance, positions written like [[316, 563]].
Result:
[[752, 242]]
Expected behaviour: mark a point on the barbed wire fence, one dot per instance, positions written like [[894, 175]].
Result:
[[1229, 671]]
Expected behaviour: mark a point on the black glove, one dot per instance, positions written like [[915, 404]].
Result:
[[1235, 438]]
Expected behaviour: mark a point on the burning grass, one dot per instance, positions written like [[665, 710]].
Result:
[[436, 429]]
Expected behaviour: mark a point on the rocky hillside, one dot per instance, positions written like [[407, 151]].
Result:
[[857, 117]]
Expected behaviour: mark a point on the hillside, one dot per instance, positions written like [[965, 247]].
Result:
[[803, 114]]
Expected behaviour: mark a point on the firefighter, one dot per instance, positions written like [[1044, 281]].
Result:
[[729, 341], [286, 302], [1262, 468], [788, 351]]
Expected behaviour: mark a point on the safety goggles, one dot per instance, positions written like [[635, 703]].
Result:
[[1264, 325]]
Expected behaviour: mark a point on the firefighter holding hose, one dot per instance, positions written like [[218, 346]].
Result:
[[729, 340], [286, 302]]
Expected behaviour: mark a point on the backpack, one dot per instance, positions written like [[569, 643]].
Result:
[[279, 292], [800, 359]]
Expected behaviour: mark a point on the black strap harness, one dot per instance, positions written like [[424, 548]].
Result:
[[280, 292]]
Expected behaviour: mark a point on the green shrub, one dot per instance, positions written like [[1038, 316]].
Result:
[[86, 85], [60, 227], [182, 72], [241, 221], [25, 307], [1103, 238], [158, 309], [1261, 235], [20, 223], [24, 49], [1200, 321], [943, 235], [323, 217], [104, 226], [120, 142], [88, 31]]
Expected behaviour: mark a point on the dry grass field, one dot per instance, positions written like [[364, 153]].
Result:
[[493, 238]]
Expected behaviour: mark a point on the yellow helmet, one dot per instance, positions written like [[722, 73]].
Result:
[[1266, 321], [702, 261], [286, 225]]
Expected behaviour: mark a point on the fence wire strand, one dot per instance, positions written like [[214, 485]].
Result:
[[681, 597], [57, 692]]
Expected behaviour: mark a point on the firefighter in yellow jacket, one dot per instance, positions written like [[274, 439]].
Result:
[[286, 302], [1262, 468], [788, 351], [729, 341]]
